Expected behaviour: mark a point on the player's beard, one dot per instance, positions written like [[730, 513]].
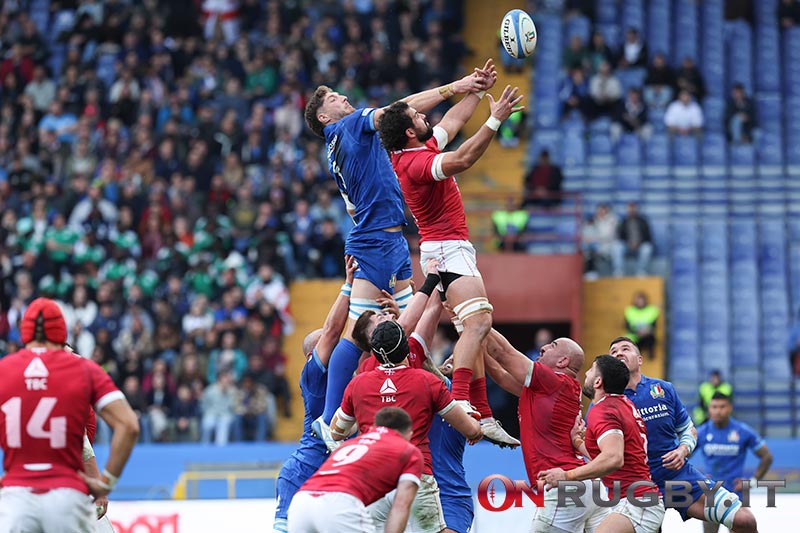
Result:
[[588, 391], [426, 134]]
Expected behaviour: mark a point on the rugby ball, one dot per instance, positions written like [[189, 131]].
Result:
[[518, 33]]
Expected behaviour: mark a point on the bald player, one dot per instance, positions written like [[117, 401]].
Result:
[[549, 402], [317, 347]]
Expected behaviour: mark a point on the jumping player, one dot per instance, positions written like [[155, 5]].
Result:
[[317, 347], [616, 442], [426, 176], [365, 178], [45, 394], [549, 402], [671, 439], [724, 442], [418, 392], [359, 473]]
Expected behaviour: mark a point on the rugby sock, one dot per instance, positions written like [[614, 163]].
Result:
[[461, 378], [478, 399], [343, 362]]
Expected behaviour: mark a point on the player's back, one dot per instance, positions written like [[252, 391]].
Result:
[[369, 466], [313, 386], [614, 413], [45, 399], [435, 201], [548, 406], [418, 392], [363, 172]]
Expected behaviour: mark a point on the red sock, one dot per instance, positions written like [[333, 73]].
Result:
[[461, 385], [478, 399]]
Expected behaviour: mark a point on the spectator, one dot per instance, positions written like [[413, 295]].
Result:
[[543, 183], [659, 83], [740, 116], [576, 56], [159, 402], [509, 226], [199, 321], [542, 337], [185, 416], [793, 347], [630, 116], [634, 241], [254, 418], [706, 392], [684, 116], [689, 78], [227, 357], [599, 52], [574, 95], [41, 89], [598, 238], [605, 90], [217, 406], [788, 13], [633, 52], [330, 246], [133, 393], [275, 363], [640, 324]]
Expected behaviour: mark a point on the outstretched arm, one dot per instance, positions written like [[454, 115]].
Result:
[[474, 147], [409, 318], [506, 381], [459, 114], [336, 319], [510, 359], [424, 101]]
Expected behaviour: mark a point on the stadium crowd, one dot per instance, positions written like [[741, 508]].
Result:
[[156, 178]]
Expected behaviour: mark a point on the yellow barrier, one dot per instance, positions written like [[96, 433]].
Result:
[[181, 491]]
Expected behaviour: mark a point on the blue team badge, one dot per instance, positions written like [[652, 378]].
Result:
[[656, 391], [733, 436]]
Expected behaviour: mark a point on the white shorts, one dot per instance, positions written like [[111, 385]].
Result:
[[570, 518], [54, 511], [328, 512], [644, 519], [457, 257], [103, 525], [426, 511]]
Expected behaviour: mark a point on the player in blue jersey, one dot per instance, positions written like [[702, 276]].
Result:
[[447, 452], [317, 346], [724, 442], [370, 189], [671, 438]]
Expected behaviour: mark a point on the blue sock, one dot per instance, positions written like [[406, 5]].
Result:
[[343, 362]]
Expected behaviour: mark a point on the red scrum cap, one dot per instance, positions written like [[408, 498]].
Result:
[[45, 313]]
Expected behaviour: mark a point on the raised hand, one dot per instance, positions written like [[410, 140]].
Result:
[[350, 266], [502, 108], [388, 304], [432, 266]]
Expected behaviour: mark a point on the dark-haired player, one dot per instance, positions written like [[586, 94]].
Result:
[[671, 440], [419, 393], [724, 441], [379, 461], [426, 176], [45, 397], [616, 443], [365, 178]]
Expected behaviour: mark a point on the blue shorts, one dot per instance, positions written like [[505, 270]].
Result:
[[292, 475], [687, 473], [458, 512], [383, 257]]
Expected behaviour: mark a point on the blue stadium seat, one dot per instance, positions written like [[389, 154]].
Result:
[[714, 113], [685, 30], [600, 149], [548, 113], [612, 34], [549, 140], [684, 151], [631, 78], [658, 27], [629, 150], [633, 15], [606, 11], [770, 149], [574, 150], [577, 25], [739, 38], [714, 155], [742, 160], [769, 111], [657, 151]]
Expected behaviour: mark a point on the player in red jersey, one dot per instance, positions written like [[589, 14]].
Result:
[[426, 176], [45, 395], [616, 442], [359, 473], [549, 402], [418, 392]]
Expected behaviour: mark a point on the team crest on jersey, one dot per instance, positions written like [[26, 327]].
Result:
[[733, 436], [388, 390], [656, 391], [392, 281]]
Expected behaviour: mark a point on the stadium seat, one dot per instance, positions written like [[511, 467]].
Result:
[[714, 113], [685, 31], [574, 150], [684, 151], [577, 25], [631, 78], [606, 11], [658, 27], [600, 149], [629, 150], [769, 112]]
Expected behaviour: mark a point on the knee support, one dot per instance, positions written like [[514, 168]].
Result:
[[726, 504], [472, 307]]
